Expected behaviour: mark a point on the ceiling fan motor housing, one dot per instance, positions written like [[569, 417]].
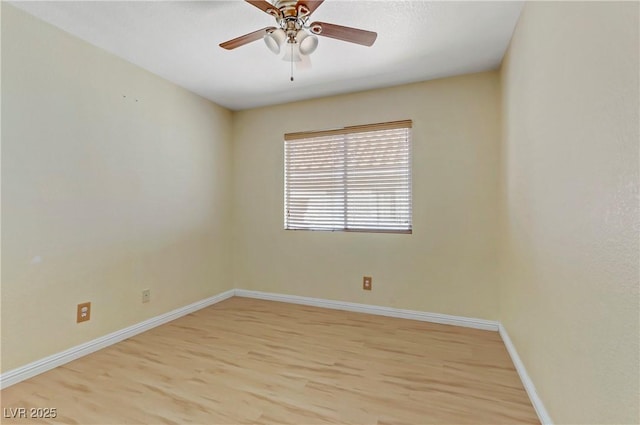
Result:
[[288, 8]]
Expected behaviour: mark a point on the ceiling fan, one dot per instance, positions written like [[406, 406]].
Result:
[[294, 30]]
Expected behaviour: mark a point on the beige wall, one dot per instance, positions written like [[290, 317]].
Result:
[[1, 4], [570, 296], [448, 264], [114, 195]]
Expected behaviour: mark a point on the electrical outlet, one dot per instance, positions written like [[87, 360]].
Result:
[[367, 283], [83, 312], [146, 295]]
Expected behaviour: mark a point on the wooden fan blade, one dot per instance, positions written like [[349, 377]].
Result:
[[246, 39], [352, 35], [306, 7], [266, 7]]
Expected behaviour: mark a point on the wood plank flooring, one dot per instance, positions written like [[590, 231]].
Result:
[[253, 361]]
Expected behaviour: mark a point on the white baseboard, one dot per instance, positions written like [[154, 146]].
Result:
[[542, 413], [444, 319], [39, 366]]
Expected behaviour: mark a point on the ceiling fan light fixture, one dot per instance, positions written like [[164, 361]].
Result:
[[292, 18], [274, 40], [307, 43], [292, 52]]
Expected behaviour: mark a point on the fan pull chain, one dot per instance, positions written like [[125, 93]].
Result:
[[291, 61]]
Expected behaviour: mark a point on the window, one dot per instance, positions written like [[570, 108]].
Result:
[[352, 179]]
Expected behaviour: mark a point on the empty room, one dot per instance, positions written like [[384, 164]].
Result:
[[311, 212]]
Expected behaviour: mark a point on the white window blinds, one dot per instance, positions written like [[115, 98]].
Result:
[[352, 179]]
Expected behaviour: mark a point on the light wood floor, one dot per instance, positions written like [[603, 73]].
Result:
[[252, 361]]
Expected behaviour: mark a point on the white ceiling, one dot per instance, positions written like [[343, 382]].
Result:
[[178, 40]]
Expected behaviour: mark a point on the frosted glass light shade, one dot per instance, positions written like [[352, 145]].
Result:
[[274, 40], [292, 52], [307, 43]]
